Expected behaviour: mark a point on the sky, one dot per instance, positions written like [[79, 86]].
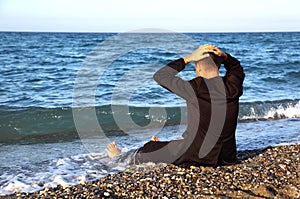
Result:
[[129, 15]]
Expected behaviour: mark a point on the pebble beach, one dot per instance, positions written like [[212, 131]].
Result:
[[272, 172]]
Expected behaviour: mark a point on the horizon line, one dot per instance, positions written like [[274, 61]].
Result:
[[137, 31]]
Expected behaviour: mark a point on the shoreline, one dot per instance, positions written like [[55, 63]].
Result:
[[272, 172]]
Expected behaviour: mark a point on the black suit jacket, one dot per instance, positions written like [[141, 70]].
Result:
[[212, 112]]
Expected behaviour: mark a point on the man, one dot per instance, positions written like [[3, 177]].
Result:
[[212, 111]]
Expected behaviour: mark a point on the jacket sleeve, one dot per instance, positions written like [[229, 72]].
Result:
[[234, 77], [166, 77]]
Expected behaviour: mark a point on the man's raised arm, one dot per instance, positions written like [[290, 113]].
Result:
[[167, 78], [234, 77]]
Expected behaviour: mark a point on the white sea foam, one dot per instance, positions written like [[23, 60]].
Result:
[[28, 168], [288, 111], [291, 111], [63, 171]]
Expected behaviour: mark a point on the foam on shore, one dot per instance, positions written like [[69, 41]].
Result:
[[268, 173]]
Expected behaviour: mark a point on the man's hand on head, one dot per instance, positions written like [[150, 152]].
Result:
[[202, 52], [213, 49], [198, 54]]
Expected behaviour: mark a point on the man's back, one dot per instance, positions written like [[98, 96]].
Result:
[[212, 111], [220, 94]]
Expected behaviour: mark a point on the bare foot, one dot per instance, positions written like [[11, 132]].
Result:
[[154, 138], [112, 150]]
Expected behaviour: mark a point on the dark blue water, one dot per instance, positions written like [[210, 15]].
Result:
[[46, 77]]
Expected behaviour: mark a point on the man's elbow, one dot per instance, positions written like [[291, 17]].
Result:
[[156, 77]]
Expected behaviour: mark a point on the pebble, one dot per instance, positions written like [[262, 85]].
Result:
[[273, 172], [106, 194]]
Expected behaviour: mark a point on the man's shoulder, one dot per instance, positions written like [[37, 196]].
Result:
[[196, 81]]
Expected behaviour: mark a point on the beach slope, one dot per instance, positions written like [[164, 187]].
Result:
[[273, 172]]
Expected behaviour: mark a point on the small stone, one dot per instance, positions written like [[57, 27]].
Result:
[[154, 188], [106, 194], [109, 185]]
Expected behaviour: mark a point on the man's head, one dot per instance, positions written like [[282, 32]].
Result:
[[209, 66]]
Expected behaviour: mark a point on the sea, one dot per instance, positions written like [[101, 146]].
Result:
[[65, 96]]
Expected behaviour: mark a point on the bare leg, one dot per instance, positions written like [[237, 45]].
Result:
[[112, 150]]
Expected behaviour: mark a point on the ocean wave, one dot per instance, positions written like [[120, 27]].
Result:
[[270, 110], [58, 123]]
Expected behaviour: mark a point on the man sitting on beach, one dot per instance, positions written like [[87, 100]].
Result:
[[212, 111]]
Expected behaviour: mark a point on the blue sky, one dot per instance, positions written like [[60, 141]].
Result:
[[127, 15]]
